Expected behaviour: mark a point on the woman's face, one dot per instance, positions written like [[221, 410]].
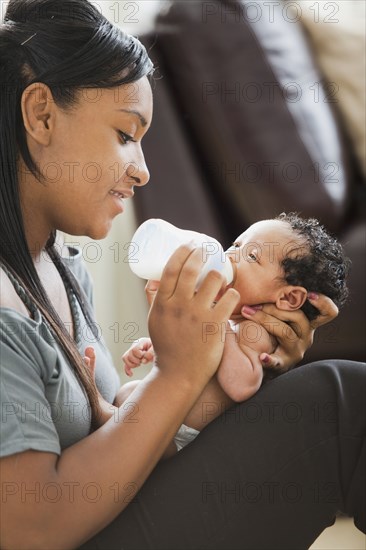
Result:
[[94, 152]]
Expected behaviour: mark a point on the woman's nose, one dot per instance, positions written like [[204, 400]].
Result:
[[139, 173]]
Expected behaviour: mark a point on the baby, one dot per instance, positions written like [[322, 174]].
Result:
[[277, 261]]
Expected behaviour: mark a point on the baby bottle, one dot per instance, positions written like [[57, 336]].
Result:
[[155, 241]]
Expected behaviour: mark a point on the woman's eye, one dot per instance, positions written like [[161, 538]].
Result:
[[125, 137]]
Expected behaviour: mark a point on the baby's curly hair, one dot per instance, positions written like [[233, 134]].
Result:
[[321, 266]]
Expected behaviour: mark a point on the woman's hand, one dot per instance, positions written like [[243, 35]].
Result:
[[294, 332], [186, 329]]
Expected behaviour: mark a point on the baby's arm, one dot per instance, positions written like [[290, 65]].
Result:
[[140, 353], [240, 372], [239, 375]]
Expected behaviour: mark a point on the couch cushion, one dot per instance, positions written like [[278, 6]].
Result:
[[263, 150], [287, 51], [176, 192], [340, 48]]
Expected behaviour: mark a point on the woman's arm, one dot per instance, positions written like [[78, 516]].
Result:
[[70, 498]]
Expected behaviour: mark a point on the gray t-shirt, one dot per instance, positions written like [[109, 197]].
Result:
[[43, 406]]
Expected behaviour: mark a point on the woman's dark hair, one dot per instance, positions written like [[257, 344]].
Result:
[[67, 45]]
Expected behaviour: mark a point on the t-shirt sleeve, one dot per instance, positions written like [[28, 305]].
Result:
[[26, 421]]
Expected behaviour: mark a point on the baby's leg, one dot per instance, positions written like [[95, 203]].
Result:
[[212, 402]]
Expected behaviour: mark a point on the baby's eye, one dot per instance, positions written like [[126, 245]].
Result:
[[235, 245], [252, 257]]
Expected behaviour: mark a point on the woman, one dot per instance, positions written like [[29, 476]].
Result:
[[75, 105]]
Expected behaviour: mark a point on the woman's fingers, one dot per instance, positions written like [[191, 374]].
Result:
[[226, 304], [172, 272], [277, 322], [326, 307], [274, 361], [181, 313], [292, 331], [180, 278], [296, 319], [210, 287], [187, 281], [282, 323]]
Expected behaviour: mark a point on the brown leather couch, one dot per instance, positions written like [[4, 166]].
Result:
[[243, 129]]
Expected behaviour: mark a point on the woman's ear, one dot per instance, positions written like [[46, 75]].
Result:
[[37, 109], [291, 298]]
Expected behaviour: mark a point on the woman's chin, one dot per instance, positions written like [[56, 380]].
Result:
[[100, 232]]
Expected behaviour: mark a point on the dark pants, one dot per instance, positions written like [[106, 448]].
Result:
[[270, 473]]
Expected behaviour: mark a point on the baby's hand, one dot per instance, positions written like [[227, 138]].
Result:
[[141, 352], [90, 361], [106, 410]]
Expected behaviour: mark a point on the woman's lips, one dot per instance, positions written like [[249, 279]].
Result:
[[122, 193]]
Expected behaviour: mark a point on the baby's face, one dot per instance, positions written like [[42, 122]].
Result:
[[257, 254]]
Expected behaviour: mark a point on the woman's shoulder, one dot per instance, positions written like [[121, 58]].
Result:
[[24, 338]]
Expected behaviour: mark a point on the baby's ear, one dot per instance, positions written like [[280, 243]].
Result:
[[291, 298]]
